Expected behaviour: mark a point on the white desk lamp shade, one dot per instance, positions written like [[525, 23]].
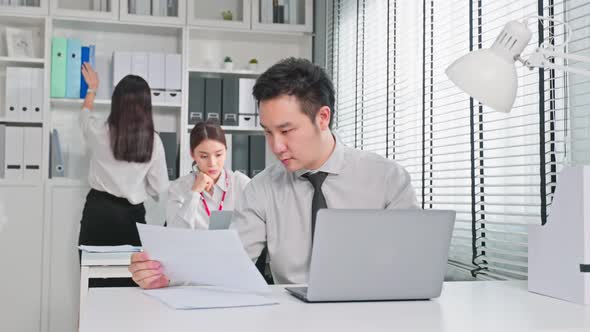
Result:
[[489, 75]]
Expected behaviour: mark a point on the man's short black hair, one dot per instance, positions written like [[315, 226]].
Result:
[[309, 83]]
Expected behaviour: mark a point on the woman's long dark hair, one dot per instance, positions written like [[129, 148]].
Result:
[[131, 125]]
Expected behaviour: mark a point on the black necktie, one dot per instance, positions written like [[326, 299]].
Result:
[[319, 201]]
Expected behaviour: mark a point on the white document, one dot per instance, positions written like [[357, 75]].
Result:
[[121, 248], [202, 297], [211, 257]]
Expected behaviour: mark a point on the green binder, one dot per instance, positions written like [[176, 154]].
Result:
[[59, 48]]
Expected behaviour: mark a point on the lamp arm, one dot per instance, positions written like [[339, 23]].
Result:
[[539, 59]]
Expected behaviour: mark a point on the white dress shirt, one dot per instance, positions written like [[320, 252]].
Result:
[[276, 206], [185, 208], [130, 180]]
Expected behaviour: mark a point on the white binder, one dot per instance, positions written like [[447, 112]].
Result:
[[33, 146], [156, 71], [13, 153], [139, 65], [24, 93], [121, 66], [12, 87], [246, 102], [37, 95], [173, 69]]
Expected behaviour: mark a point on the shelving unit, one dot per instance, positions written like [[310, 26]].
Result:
[[52, 206]]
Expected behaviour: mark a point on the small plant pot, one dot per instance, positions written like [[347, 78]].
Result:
[[228, 65], [253, 66]]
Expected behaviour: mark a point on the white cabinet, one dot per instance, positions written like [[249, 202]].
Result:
[[282, 15], [64, 204], [21, 257], [220, 13], [154, 11], [31, 7], [97, 9]]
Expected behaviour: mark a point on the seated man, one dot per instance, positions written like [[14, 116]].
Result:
[[278, 207]]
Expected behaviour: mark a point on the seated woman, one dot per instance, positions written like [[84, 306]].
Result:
[[210, 187]]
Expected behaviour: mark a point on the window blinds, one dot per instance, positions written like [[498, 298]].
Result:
[[498, 171]]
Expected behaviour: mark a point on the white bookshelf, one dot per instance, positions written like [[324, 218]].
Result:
[[200, 35], [231, 14], [98, 9], [39, 7], [302, 21]]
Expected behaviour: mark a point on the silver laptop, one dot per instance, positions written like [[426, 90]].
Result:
[[220, 219], [372, 255]]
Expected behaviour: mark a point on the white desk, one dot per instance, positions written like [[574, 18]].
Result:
[[464, 306], [102, 265]]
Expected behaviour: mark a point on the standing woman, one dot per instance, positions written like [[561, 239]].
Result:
[[127, 162], [211, 187]]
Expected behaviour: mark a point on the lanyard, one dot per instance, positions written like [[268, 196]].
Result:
[[222, 198]]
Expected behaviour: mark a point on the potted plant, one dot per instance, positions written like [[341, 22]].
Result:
[[253, 64], [228, 63], [227, 15]]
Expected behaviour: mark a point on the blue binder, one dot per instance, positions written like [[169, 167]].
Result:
[[73, 68], [88, 55]]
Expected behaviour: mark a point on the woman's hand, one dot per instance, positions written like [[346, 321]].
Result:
[[90, 76], [203, 182]]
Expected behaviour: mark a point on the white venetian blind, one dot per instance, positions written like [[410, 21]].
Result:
[[498, 171]]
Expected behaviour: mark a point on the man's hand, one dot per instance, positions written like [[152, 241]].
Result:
[[146, 273]]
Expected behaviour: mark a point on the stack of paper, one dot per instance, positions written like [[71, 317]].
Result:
[[214, 260], [122, 248]]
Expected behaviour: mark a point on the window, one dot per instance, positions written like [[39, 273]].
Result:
[[498, 171]]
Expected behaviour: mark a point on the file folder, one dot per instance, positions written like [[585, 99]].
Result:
[[257, 154], [24, 93], [12, 98], [196, 100], [104, 70], [121, 66], [173, 70], [37, 94], [157, 71], [171, 152], [88, 55], [213, 99], [13, 153], [139, 65], [230, 102], [2, 149], [247, 103], [240, 154], [56, 164], [33, 143], [59, 49], [73, 67]]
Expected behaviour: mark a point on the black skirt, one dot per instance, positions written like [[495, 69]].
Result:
[[108, 220]]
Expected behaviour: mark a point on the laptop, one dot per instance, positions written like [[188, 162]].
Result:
[[378, 255], [220, 219]]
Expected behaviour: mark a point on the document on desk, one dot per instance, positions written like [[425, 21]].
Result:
[[210, 257], [121, 248], [207, 297]]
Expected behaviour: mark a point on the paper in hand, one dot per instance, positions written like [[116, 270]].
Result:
[[215, 258]]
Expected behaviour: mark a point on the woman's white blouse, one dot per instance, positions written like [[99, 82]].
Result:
[[185, 208]]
